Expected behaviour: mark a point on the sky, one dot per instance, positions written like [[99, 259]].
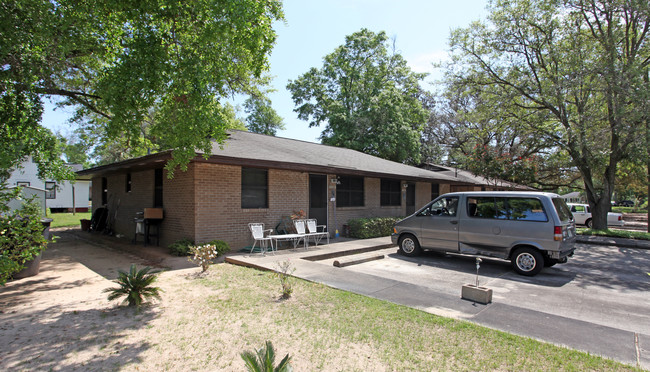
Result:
[[313, 29]]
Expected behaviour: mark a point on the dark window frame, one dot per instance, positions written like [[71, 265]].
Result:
[[435, 190], [158, 188], [128, 182], [254, 191], [50, 190], [350, 192], [390, 193]]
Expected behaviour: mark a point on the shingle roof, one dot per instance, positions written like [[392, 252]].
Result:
[[261, 149], [258, 150]]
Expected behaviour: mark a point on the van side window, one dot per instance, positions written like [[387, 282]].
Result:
[[526, 209], [520, 209], [442, 207]]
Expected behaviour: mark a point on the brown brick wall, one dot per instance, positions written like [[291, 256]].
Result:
[[204, 203], [220, 215], [179, 205]]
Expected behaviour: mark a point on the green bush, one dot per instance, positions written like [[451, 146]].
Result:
[[21, 234], [222, 247], [365, 228], [181, 247]]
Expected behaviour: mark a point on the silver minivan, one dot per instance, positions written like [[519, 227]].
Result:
[[531, 229]]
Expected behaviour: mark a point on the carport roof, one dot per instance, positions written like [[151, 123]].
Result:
[[258, 150]]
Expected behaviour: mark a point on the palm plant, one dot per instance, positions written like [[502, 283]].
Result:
[[264, 360], [135, 285]]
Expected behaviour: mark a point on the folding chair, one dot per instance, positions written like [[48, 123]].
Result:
[[257, 229]]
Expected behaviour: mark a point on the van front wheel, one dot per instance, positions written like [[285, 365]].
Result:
[[409, 245], [527, 261]]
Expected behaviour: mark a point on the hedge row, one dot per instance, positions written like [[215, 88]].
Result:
[[365, 228]]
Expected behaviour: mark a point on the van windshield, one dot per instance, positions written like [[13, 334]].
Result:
[[563, 211]]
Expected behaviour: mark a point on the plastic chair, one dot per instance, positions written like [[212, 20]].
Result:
[[257, 229], [312, 229]]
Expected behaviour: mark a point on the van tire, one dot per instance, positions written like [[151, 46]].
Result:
[[527, 261], [589, 223], [409, 245]]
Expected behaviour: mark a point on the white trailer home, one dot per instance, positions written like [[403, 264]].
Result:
[[59, 196]]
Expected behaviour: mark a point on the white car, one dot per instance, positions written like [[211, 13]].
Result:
[[582, 216]]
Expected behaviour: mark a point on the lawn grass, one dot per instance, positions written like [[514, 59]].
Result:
[[67, 219], [328, 329], [627, 234]]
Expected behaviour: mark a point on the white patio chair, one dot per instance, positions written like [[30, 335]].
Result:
[[257, 229], [312, 230], [300, 230]]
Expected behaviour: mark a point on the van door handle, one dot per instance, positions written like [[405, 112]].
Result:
[[453, 222]]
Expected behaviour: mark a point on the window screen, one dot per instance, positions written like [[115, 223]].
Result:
[[349, 193], [390, 193], [254, 188]]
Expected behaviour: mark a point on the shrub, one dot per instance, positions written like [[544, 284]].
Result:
[[181, 247], [204, 254], [365, 228], [264, 360], [21, 234], [284, 271], [135, 285], [222, 247]]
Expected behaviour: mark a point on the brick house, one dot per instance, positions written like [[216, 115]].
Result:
[[258, 178]]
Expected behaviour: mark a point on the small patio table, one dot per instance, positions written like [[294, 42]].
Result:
[[295, 238]]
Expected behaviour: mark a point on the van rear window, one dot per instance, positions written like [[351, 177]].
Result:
[[562, 209], [520, 209]]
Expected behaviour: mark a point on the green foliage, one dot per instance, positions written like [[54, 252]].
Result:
[[204, 254], [367, 96], [572, 72], [485, 161], [263, 360], [626, 234], [221, 246], [365, 228], [262, 118], [136, 285], [125, 64], [21, 234], [284, 271], [181, 247]]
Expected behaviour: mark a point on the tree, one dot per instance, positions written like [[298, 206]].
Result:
[[262, 118], [367, 96], [124, 60], [575, 68], [91, 145], [465, 130]]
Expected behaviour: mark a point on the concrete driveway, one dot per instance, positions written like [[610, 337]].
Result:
[[598, 302]]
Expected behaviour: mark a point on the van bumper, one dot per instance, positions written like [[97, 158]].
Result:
[[394, 238]]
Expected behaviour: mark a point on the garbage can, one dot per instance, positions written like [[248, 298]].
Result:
[[85, 225]]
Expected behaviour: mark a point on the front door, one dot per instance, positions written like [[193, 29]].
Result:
[[318, 198], [410, 198]]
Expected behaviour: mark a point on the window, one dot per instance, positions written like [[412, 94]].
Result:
[[435, 190], [158, 188], [349, 193], [128, 182], [22, 184], [254, 188], [390, 193], [50, 190], [520, 209], [442, 207], [104, 191]]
